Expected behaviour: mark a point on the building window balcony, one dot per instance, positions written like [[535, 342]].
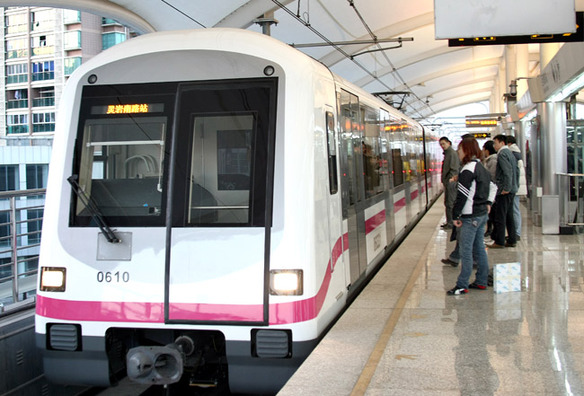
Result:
[[16, 79], [71, 16], [37, 51], [72, 40], [17, 104], [16, 29], [42, 71], [110, 39], [43, 102], [71, 64], [49, 127], [108, 21], [16, 129], [43, 76], [17, 53]]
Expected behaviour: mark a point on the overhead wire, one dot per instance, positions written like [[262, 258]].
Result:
[[393, 68], [347, 55], [307, 24], [183, 13], [333, 45]]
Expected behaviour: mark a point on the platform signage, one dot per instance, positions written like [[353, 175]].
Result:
[[578, 36], [481, 123]]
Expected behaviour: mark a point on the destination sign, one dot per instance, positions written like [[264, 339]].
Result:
[[128, 108]]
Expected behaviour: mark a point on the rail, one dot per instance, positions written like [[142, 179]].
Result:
[[21, 216]]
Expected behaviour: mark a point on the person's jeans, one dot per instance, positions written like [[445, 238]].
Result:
[[517, 216], [455, 254], [471, 243]]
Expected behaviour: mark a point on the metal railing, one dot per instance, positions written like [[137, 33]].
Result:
[[21, 216], [571, 188]]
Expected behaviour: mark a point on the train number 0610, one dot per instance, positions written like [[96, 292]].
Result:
[[109, 277]]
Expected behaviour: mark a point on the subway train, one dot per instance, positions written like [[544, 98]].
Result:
[[215, 200]]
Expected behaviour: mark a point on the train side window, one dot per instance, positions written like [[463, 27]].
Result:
[[398, 151], [413, 152], [371, 152], [332, 152], [385, 150], [350, 147]]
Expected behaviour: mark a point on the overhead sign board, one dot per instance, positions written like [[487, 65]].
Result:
[[495, 18], [578, 36], [483, 120], [481, 135], [473, 123]]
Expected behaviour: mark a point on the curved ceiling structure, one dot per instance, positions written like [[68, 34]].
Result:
[[435, 76]]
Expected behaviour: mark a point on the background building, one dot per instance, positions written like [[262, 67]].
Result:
[[42, 47]]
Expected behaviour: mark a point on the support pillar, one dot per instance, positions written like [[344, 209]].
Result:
[[552, 158]]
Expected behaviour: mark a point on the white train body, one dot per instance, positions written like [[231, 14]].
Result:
[[224, 162]]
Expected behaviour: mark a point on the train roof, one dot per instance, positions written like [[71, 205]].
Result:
[[215, 39], [230, 40]]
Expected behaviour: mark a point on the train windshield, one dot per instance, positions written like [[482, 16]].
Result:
[[121, 153], [121, 166], [220, 148]]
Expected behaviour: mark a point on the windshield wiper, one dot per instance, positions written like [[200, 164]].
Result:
[[93, 209]]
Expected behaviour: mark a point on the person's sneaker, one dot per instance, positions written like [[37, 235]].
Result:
[[449, 262], [495, 246], [507, 244], [455, 291], [475, 285]]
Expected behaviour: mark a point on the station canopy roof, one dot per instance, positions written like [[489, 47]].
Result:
[[379, 45]]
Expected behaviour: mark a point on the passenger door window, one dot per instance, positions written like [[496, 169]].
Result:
[[222, 153]]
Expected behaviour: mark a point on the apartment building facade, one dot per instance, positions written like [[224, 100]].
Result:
[[42, 47]]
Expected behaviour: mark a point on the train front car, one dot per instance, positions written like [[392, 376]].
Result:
[[179, 236]]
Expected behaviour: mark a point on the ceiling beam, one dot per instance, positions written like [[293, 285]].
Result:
[[244, 16], [422, 56], [102, 8], [450, 104], [395, 30], [489, 62]]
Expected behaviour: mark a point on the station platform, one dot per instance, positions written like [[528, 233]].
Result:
[[405, 335]]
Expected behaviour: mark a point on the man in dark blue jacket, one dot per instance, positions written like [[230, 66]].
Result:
[[507, 181]]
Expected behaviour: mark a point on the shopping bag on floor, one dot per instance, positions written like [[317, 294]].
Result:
[[507, 277]]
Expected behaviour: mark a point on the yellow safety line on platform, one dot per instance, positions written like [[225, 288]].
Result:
[[373, 361]]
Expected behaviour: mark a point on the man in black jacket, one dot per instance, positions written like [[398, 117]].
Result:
[[507, 181], [450, 166]]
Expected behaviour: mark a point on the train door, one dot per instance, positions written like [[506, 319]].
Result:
[[387, 169], [335, 226], [218, 225], [352, 190]]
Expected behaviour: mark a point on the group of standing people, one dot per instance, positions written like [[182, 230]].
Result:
[[481, 199]]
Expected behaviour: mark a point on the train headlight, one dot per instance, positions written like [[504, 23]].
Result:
[[286, 282], [53, 279]]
